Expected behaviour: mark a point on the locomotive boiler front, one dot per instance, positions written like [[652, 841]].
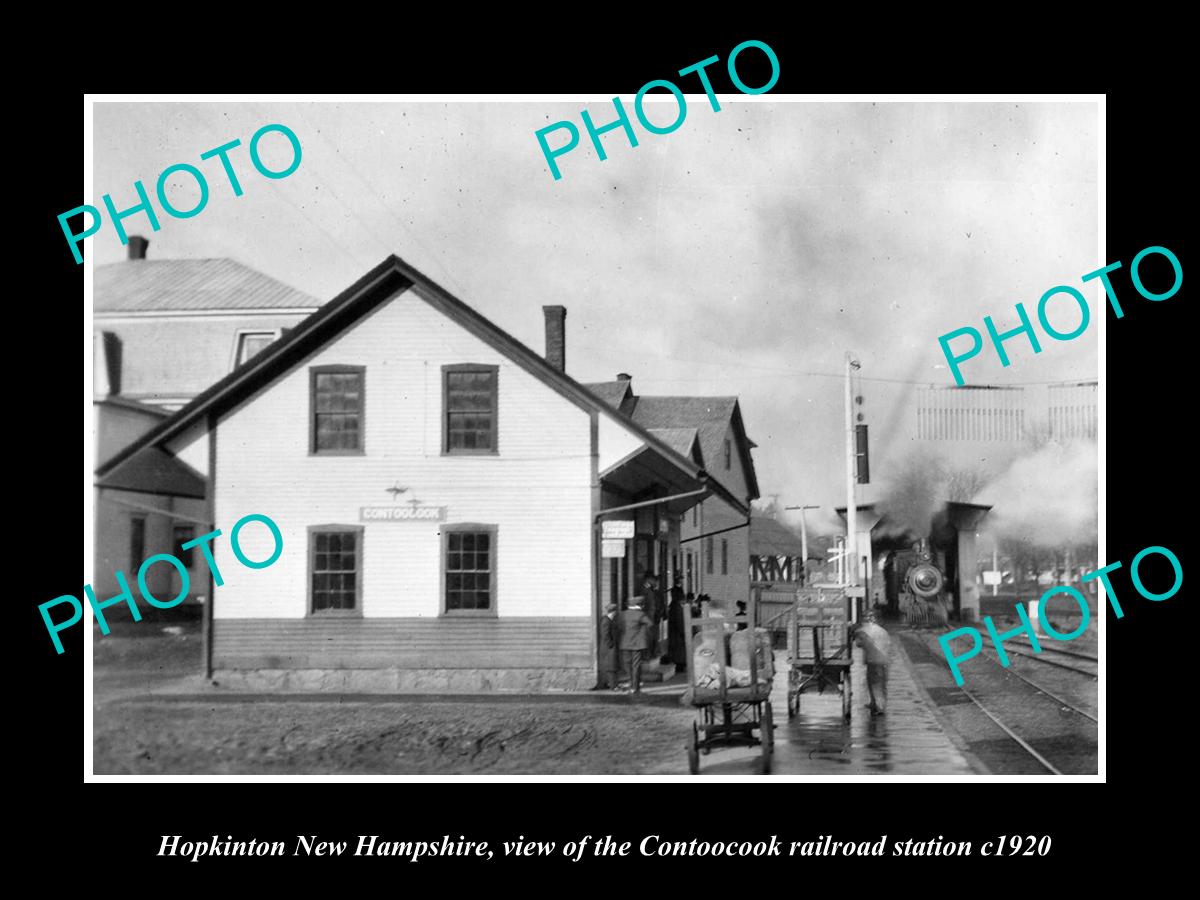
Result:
[[922, 601], [925, 580]]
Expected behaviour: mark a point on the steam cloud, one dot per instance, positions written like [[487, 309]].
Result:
[[1047, 497]]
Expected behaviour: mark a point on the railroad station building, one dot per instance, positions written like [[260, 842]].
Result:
[[441, 491], [714, 538]]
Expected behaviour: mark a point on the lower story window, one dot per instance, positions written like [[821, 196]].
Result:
[[470, 560], [335, 564]]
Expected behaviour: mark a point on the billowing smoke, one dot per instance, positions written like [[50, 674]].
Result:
[[1047, 497], [916, 490]]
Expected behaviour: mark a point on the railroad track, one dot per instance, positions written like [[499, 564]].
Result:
[[1051, 648], [1056, 663], [1016, 713], [1041, 688]]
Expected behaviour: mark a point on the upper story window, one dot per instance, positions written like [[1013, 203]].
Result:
[[728, 453], [338, 409], [469, 406], [251, 343]]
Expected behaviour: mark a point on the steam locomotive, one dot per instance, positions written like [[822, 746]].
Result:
[[922, 601]]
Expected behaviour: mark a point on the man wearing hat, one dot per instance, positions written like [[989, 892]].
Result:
[[634, 641], [608, 649]]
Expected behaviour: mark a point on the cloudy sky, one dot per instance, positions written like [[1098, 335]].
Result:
[[742, 254]]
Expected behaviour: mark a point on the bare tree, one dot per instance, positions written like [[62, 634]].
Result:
[[963, 484]]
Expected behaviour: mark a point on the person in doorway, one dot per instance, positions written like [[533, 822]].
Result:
[[634, 641], [677, 614], [608, 649], [652, 600], [877, 648]]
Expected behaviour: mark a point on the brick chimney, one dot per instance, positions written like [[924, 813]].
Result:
[[137, 247], [108, 364], [556, 338], [624, 376]]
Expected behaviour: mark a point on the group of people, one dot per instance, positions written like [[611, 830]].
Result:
[[631, 636]]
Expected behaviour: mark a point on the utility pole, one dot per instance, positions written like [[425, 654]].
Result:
[[851, 477], [995, 565], [803, 542]]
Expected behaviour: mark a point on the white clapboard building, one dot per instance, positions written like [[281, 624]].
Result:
[[441, 490]]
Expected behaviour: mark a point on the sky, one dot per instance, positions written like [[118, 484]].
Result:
[[742, 254]]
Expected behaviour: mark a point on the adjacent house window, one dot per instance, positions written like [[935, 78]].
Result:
[[469, 403], [708, 555], [469, 554], [137, 543], [250, 343], [335, 569], [182, 534], [724, 556], [338, 409], [695, 515], [728, 454]]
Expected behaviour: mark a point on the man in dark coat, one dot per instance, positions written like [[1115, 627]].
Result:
[[634, 641], [676, 618], [653, 604], [608, 649]]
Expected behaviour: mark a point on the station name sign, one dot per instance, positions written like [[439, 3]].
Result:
[[402, 514]]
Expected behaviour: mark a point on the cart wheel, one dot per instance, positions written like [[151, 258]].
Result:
[[693, 752], [767, 735], [847, 697]]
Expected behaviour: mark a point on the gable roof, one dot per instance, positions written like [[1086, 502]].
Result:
[[191, 285], [710, 416], [381, 284], [614, 393], [684, 441], [154, 471], [770, 537]]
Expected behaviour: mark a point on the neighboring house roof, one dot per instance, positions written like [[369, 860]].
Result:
[[684, 441], [770, 537], [614, 393], [182, 285], [371, 291], [129, 403], [154, 471], [710, 416]]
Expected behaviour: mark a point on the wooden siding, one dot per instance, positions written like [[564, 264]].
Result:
[[715, 515], [537, 491], [515, 642]]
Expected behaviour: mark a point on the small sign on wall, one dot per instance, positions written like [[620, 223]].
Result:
[[612, 549], [616, 529], [402, 514]]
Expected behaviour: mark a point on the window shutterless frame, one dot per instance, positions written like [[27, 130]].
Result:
[[468, 368], [239, 342], [475, 528], [357, 531], [313, 372]]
